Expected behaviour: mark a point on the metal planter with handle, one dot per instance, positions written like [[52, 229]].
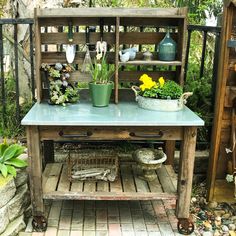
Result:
[[160, 104]]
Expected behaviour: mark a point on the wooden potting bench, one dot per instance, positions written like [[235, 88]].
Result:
[[123, 120]]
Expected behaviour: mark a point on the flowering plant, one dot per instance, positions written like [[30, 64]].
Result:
[[162, 89], [61, 91]]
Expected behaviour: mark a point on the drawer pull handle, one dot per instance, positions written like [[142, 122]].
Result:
[[140, 135], [86, 134]]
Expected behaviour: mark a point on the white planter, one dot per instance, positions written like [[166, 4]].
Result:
[[161, 104]]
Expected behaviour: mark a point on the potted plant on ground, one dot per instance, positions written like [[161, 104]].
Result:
[[161, 95], [101, 87]]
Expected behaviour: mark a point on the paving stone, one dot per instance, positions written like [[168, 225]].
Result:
[[76, 233], [128, 233], [63, 233], [102, 233], [127, 227], [51, 231], [101, 205], [7, 189], [65, 222], [15, 227], [78, 205], [101, 215], [155, 234], [25, 234], [113, 211], [152, 228], [141, 233], [165, 228], [139, 226], [89, 204], [89, 223], [114, 230], [19, 203], [66, 212], [114, 219], [89, 233], [101, 226], [135, 205], [89, 212], [68, 205], [38, 234], [162, 217]]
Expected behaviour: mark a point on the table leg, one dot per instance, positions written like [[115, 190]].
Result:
[[35, 171], [185, 177]]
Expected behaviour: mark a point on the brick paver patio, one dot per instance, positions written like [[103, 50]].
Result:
[[109, 218]]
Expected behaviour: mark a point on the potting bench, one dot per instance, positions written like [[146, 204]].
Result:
[[123, 120]]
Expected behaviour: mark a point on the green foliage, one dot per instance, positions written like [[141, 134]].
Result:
[[11, 128], [9, 154], [101, 72], [60, 94]]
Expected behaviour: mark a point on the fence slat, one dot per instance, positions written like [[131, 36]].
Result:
[[16, 73], [3, 97], [32, 61]]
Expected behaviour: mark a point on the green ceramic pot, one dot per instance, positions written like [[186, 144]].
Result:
[[100, 94]]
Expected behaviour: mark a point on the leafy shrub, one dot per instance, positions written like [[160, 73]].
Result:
[[9, 154]]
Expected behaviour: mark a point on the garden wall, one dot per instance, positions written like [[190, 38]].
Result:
[[14, 202]]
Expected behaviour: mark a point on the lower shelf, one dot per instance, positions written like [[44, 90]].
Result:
[[224, 191], [128, 185]]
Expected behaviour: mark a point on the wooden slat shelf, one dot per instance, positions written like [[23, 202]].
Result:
[[128, 185], [151, 63]]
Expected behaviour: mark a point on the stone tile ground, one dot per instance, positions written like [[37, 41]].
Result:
[[109, 218]]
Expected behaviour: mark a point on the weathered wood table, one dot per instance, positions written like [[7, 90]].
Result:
[[125, 121]]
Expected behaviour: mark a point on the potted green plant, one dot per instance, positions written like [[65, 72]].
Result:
[[101, 86], [161, 95], [9, 160]]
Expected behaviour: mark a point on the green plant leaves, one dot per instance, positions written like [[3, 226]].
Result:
[[3, 147], [16, 162], [11, 170], [3, 170], [12, 151]]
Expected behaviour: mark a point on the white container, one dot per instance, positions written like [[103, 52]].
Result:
[[161, 104]]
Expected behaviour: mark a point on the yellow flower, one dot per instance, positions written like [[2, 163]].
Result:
[[148, 83], [145, 78], [161, 81]]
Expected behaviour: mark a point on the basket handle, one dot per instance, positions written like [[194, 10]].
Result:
[[136, 89], [86, 134], [183, 98], [138, 135]]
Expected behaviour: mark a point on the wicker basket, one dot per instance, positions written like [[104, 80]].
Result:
[[92, 164]]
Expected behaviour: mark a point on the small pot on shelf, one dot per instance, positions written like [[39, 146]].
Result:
[[100, 93]]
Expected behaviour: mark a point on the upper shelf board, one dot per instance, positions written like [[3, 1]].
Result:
[[112, 12]]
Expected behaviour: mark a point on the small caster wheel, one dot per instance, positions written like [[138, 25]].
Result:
[[39, 223], [185, 226]]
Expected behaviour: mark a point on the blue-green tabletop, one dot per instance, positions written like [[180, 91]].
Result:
[[122, 114]]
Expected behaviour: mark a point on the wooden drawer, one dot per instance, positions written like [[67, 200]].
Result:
[[110, 133]]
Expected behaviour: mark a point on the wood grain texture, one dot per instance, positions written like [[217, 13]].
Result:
[[37, 57], [110, 12], [219, 105], [128, 185], [186, 165], [35, 170], [110, 133]]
